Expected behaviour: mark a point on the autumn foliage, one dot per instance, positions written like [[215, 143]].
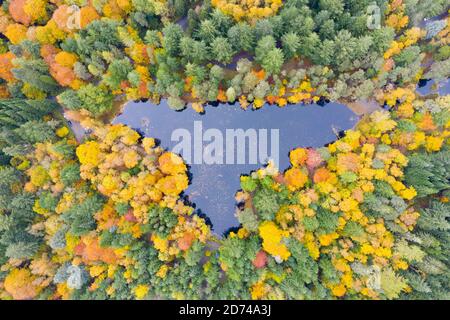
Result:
[[250, 10]]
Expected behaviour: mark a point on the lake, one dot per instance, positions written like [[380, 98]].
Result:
[[428, 87], [214, 181]]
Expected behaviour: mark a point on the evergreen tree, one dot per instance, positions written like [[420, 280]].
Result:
[[172, 36], [241, 36], [273, 61], [207, 31], [80, 217], [118, 71], [265, 45], [14, 112], [161, 221], [428, 173], [291, 43], [70, 174]]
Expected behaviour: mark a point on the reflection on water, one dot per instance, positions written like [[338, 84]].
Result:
[[213, 187]]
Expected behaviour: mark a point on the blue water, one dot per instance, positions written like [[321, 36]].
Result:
[[429, 88], [213, 187]]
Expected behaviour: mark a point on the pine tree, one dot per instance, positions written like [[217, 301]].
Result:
[[241, 36], [222, 50], [161, 221], [354, 230], [118, 71], [248, 219], [100, 35], [428, 173], [328, 221], [435, 217], [391, 283], [172, 36], [266, 203], [291, 43], [22, 250], [14, 112], [265, 45], [35, 131], [70, 174], [9, 177], [80, 217], [35, 72]]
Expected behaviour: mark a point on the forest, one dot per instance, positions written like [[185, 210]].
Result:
[[364, 217]]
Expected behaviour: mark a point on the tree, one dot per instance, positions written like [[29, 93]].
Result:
[[263, 28], [428, 174], [418, 10], [20, 284], [335, 7], [265, 45], [14, 112], [172, 35], [22, 250], [222, 50], [207, 31], [261, 90], [249, 82], [35, 131], [291, 43], [161, 221], [325, 24], [266, 203], [180, 7], [248, 219], [70, 174], [344, 48], [439, 71], [176, 103], [80, 217], [309, 45], [118, 71], [100, 35], [299, 21], [407, 56], [193, 21], [382, 39], [96, 99], [194, 51], [197, 72], [152, 38], [443, 53], [231, 94], [241, 36], [35, 72], [434, 27], [216, 73], [435, 217], [17, 219], [243, 66], [221, 21]]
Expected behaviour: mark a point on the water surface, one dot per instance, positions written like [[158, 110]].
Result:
[[213, 187], [429, 87]]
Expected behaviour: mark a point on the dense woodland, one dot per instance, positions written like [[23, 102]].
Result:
[[365, 217], [200, 51]]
